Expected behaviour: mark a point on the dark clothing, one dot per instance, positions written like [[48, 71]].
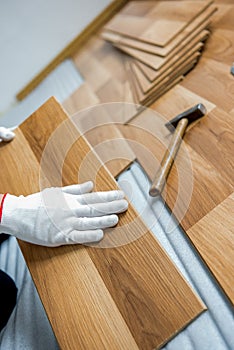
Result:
[[8, 294], [3, 237]]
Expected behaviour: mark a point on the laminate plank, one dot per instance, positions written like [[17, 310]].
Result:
[[224, 16], [86, 286], [161, 24], [181, 54], [20, 177], [172, 65], [146, 293], [192, 179], [164, 89], [156, 63], [216, 75], [213, 236], [194, 28], [182, 70], [113, 85], [215, 129], [98, 128], [178, 100], [82, 98], [223, 52]]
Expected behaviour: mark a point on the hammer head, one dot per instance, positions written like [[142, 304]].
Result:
[[191, 114]]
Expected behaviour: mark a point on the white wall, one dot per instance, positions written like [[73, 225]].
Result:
[[32, 33]]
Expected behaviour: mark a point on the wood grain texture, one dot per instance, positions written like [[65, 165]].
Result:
[[149, 138], [111, 298], [224, 16], [213, 236], [174, 74], [216, 75], [217, 130], [155, 62], [178, 100], [105, 70], [223, 52], [161, 24], [183, 53], [146, 86], [102, 134], [153, 49]]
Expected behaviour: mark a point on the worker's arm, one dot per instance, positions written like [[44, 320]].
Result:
[[61, 215]]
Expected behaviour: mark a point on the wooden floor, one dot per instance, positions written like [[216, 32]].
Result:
[[132, 296], [202, 176]]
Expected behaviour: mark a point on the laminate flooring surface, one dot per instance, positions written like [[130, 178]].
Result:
[[123, 295], [158, 26], [212, 329]]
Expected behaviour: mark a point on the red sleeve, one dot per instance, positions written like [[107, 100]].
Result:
[[1, 206]]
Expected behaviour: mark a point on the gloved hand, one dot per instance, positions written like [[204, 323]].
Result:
[[6, 134], [58, 216]]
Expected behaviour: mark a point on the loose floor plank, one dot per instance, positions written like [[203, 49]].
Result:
[[174, 74], [215, 129], [213, 236], [161, 24], [153, 49], [100, 131], [174, 60], [191, 178], [147, 86], [178, 100], [223, 52], [104, 69], [129, 295], [217, 83], [155, 62]]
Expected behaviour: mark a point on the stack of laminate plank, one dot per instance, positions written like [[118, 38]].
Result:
[[164, 40]]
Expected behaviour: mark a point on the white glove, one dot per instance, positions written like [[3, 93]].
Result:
[[58, 216], [6, 134]]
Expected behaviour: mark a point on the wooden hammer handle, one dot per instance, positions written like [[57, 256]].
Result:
[[169, 156]]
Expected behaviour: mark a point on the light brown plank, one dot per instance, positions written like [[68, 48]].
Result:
[[161, 24], [21, 177], [104, 69], [66, 309], [224, 16], [215, 129], [96, 125], [182, 70], [213, 81], [223, 52], [81, 99], [184, 53], [189, 33], [148, 293], [155, 62], [178, 100], [213, 236], [172, 66], [192, 179]]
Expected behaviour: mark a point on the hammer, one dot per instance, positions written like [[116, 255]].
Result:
[[178, 125]]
